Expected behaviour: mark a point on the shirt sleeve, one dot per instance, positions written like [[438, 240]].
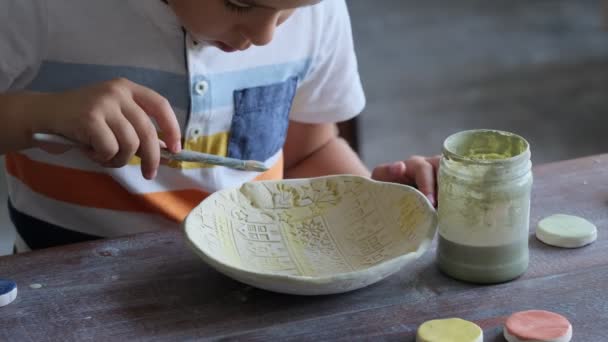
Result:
[[22, 41], [331, 91]]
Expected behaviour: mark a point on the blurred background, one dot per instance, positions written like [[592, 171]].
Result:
[[430, 68]]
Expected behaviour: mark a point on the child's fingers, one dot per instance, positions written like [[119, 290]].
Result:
[[434, 160], [104, 145], [391, 172], [423, 172], [128, 141], [159, 108], [381, 172], [417, 171], [148, 148], [397, 171], [149, 152]]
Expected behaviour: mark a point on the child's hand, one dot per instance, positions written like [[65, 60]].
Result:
[[417, 171], [114, 119]]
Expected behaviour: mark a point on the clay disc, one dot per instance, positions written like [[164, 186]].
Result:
[[449, 330], [8, 292], [537, 325], [566, 231]]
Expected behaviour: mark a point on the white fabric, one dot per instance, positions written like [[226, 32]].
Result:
[[62, 44]]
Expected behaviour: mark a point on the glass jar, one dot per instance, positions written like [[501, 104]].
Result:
[[484, 181]]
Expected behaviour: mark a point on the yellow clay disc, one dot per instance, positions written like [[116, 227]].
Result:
[[449, 330]]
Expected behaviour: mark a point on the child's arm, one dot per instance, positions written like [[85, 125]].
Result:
[[18, 113], [112, 118], [316, 150]]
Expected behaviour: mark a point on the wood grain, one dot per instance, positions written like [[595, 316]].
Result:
[[152, 287]]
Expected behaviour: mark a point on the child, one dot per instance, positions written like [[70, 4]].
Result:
[[263, 80]]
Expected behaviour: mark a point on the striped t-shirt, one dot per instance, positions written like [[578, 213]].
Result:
[[235, 105]]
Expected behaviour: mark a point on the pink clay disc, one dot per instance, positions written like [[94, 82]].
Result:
[[538, 325]]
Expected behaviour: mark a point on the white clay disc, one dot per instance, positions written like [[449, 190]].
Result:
[[566, 231], [8, 292], [537, 326]]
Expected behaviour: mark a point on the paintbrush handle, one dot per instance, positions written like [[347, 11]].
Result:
[[199, 157], [184, 155], [54, 139]]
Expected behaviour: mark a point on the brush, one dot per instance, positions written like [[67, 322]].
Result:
[[183, 156]]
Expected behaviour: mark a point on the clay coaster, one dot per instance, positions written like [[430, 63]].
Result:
[[449, 330], [537, 325], [566, 231], [8, 292]]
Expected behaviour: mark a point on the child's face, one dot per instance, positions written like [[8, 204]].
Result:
[[235, 24]]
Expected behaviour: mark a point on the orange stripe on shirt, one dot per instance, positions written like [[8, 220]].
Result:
[[103, 192]]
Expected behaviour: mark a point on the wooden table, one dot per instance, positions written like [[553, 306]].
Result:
[[152, 287]]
